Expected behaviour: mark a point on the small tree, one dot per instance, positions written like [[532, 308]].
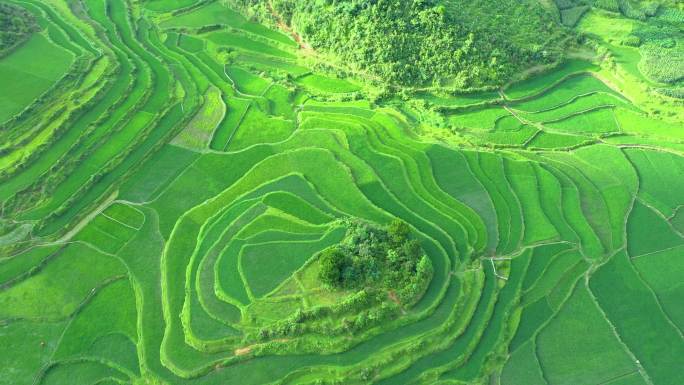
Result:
[[398, 231], [333, 263]]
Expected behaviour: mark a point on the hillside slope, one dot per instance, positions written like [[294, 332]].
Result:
[[418, 42]]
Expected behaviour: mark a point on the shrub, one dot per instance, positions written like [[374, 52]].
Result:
[[660, 64], [677, 93], [631, 41], [333, 263], [370, 256], [671, 15], [633, 11], [608, 5], [658, 33]]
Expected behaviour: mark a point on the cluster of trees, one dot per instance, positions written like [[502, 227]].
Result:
[[380, 257], [16, 25], [660, 36], [661, 64], [633, 9], [384, 267], [468, 44], [675, 92]]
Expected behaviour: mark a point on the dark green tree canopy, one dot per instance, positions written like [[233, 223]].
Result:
[[460, 43], [376, 257]]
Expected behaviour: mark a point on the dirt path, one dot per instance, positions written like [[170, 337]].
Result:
[[248, 349], [83, 222], [393, 297], [243, 351]]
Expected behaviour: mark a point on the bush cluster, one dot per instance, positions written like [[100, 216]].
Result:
[[632, 9], [661, 64], [608, 5], [677, 92], [371, 256]]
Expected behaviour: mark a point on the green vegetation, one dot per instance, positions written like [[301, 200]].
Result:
[[31, 70], [377, 258], [661, 64], [289, 192], [423, 42], [16, 25]]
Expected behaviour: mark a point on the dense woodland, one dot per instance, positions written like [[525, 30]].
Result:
[[16, 25], [422, 42]]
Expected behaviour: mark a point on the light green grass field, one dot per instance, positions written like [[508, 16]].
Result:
[[30, 71]]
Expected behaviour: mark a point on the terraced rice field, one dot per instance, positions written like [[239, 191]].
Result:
[[166, 186]]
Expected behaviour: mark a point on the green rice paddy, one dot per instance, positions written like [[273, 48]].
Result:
[[169, 171]]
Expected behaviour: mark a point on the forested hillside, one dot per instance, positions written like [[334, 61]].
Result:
[[418, 42]]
